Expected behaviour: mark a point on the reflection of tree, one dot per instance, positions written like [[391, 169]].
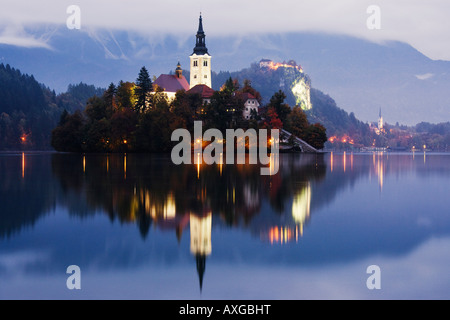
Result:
[[27, 191]]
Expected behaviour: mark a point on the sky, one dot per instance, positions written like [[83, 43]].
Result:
[[422, 24]]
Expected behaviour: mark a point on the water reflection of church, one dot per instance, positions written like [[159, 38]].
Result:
[[283, 230]]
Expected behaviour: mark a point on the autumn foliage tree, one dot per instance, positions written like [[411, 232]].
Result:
[[272, 120]]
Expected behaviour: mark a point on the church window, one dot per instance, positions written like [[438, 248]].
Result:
[[205, 63], [195, 63], [206, 76]]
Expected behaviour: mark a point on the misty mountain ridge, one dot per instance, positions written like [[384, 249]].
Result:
[[361, 76]]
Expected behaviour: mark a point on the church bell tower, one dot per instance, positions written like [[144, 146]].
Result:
[[200, 60]]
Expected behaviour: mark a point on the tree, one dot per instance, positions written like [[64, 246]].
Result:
[[272, 119], [69, 136], [188, 108], [249, 89], [125, 95], [297, 122], [218, 113], [277, 102], [230, 85], [96, 109], [316, 136], [143, 88], [123, 124], [98, 136], [109, 97]]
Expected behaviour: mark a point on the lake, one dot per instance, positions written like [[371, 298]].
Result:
[[139, 227]]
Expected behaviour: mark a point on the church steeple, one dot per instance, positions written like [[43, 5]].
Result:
[[200, 45], [179, 71], [200, 59]]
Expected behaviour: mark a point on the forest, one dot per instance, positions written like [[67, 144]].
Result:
[[29, 111]]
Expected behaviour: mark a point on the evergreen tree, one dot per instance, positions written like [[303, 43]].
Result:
[[281, 108], [109, 98], [230, 85], [249, 89], [143, 88]]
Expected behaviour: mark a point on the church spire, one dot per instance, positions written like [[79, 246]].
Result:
[[200, 24], [200, 46], [179, 71]]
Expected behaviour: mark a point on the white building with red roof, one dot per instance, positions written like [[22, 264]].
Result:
[[250, 103], [171, 83], [203, 90]]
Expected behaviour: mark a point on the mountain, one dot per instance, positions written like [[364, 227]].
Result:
[[268, 77], [29, 110], [361, 76]]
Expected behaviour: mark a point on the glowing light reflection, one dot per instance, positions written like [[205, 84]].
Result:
[[345, 161], [331, 161], [198, 165], [125, 166], [23, 165]]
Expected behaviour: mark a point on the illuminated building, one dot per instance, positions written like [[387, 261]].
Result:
[[269, 64], [380, 123], [251, 103], [200, 73], [200, 60], [379, 127], [171, 83]]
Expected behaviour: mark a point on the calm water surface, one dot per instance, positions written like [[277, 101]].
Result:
[[141, 228]]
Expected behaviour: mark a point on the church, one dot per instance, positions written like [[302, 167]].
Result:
[[200, 71], [200, 76]]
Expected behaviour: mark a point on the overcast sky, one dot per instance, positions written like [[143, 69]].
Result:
[[423, 24]]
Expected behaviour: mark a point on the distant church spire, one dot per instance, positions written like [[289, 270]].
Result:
[[380, 123], [200, 45]]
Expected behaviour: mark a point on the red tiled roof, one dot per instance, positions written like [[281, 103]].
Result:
[[203, 90], [246, 96], [171, 83]]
